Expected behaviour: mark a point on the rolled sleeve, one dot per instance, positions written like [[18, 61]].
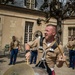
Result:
[[34, 43]]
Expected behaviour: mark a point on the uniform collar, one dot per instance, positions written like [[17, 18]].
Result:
[[45, 44]]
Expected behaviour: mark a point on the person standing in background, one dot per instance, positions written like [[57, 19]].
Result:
[[71, 47], [14, 47]]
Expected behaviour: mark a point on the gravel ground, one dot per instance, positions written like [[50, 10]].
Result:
[[4, 61]]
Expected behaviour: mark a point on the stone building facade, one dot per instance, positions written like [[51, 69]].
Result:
[[22, 23], [68, 29]]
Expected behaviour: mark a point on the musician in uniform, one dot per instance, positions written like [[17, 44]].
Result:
[[14, 47], [53, 55], [71, 48]]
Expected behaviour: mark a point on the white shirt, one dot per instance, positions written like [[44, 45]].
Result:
[[51, 49]]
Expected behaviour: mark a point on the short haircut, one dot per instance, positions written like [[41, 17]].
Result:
[[51, 25]]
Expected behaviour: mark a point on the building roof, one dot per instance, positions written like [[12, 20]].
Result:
[[28, 11], [22, 10]]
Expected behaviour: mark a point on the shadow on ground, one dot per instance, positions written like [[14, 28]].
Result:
[[18, 62], [2, 60]]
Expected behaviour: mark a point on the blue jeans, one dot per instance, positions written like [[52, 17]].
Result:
[[13, 56], [33, 58], [73, 65], [72, 58]]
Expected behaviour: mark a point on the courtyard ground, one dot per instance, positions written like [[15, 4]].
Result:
[[4, 61]]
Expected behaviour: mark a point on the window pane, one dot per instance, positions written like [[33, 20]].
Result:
[[74, 31], [27, 1], [32, 6], [32, 1], [71, 31], [28, 5], [28, 31]]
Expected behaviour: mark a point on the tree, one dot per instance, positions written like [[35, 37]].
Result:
[[59, 11]]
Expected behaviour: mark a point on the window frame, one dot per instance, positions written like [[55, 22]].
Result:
[[28, 31], [29, 4]]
